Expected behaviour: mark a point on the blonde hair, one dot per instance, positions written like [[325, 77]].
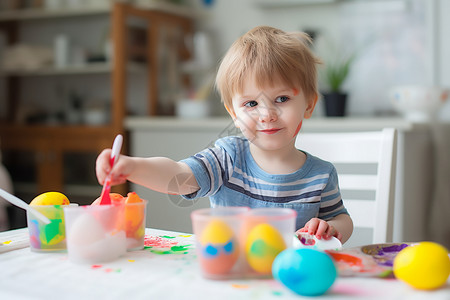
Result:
[[270, 55]]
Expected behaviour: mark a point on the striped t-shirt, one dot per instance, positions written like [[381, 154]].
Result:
[[229, 176]]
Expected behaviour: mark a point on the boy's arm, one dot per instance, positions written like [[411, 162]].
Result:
[[157, 173], [164, 175], [344, 225]]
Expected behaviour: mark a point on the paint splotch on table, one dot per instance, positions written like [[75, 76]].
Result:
[[372, 260], [166, 244]]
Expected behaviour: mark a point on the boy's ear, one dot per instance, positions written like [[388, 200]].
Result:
[[310, 107], [233, 115]]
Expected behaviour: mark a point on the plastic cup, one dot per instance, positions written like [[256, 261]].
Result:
[[266, 233], [135, 216], [47, 237], [217, 233], [95, 233]]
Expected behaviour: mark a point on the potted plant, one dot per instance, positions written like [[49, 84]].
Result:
[[334, 75]]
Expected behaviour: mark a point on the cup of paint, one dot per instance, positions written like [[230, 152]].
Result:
[[95, 233], [266, 232], [217, 234], [47, 237], [135, 216]]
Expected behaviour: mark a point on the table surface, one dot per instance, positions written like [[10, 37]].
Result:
[[167, 270]]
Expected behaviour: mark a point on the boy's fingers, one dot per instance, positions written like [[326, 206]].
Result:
[[321, 229]]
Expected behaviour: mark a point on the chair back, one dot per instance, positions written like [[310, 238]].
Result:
[[365, 162]]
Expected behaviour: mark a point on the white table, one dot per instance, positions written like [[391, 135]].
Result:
[[145, 274]]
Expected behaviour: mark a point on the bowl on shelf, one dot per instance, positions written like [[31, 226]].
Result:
[[418, 103]]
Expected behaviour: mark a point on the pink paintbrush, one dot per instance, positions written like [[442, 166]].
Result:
[[117, 145]]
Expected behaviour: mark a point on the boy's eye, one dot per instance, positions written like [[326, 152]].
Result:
[[251, 103], [281, 99]]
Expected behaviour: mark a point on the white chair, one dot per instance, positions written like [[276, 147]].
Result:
[[365, 162]]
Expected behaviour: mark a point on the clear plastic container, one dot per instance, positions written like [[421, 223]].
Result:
[[238, 242], [95, 233], [135, 217], [47, 237]]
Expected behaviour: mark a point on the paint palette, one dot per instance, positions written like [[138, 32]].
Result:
[[305, 240], [371, 260]]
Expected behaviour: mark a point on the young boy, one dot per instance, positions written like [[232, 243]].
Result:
[[268, 83]]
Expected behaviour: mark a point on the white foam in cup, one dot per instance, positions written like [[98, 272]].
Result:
[[95, 234]]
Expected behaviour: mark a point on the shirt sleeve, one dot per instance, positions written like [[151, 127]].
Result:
[[331, 203], [208, 171]]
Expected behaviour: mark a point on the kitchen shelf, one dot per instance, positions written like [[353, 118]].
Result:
[[88, 68], [38, 13], [49, 146]]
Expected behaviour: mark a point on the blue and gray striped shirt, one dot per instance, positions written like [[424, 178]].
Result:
[[229, 176]]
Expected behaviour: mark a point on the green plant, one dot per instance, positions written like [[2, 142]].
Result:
[[337, 71]]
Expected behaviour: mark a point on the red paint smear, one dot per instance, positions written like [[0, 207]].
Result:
[[159, 242], [298, 128], [295, 92], [347, 259], [96, 266]]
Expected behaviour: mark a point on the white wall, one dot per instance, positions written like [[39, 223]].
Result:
[[443, 50], [397, 38]]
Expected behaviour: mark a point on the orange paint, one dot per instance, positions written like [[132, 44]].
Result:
[[347, 259], [229, 111], [298, 128], [295, 91]]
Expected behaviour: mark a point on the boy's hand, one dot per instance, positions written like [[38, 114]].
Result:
[[321, 229], [120, 172]]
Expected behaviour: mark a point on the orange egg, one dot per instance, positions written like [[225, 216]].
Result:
[[134, 213]]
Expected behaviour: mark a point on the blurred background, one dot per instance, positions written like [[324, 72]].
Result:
[[74, 73]]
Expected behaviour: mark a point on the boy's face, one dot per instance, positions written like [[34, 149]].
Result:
[[270, 117]]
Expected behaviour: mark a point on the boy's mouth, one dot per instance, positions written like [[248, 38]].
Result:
[[270, 131]]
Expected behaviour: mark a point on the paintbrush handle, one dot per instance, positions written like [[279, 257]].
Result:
[[117, 145], [22, 204]]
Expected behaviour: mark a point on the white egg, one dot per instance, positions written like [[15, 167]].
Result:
[[85, 230]]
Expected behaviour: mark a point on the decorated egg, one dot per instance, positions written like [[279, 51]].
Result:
[[306, 271], [55, 232], [50, 198], [218, 248], [263, 244], [85, 230], [423, 266], [134, 213]]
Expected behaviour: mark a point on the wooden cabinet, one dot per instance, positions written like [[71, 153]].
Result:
[[49, 145]]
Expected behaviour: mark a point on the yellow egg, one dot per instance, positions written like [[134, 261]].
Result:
[[263, 244], [216, 232], [50, 198], [218, 251], [53, 233], [423, 266]]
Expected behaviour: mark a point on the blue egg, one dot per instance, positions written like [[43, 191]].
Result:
[[307, 272]]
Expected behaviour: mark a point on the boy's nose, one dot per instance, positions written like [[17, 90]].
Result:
[[268, 114]]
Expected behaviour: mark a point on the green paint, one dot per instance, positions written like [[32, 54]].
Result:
[[173, 250], [167, 236], [148, 247], [180, 248], [51, 230], [277, 293], [162, 251], [260, 248]]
